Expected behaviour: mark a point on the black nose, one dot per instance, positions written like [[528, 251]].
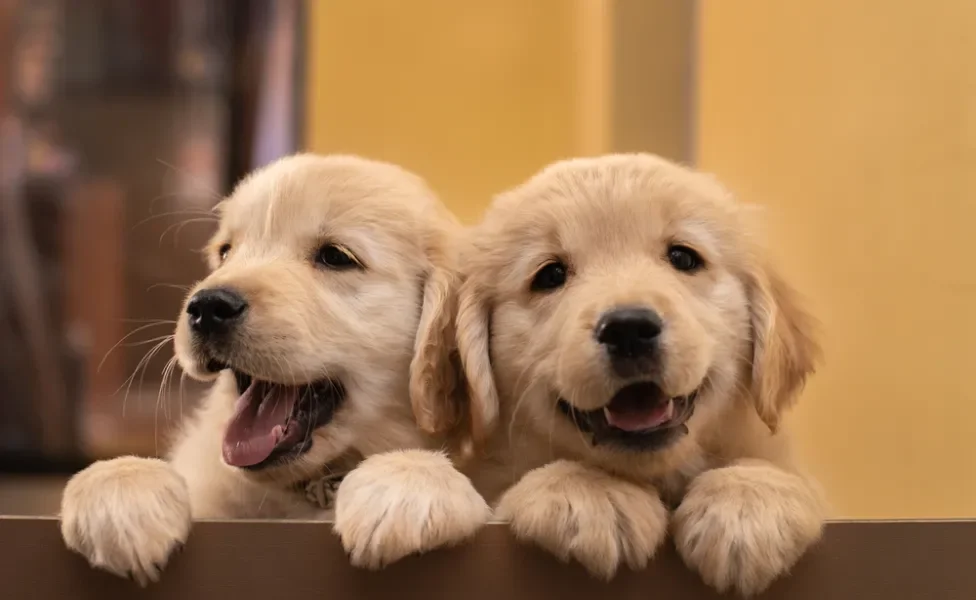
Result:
[[629, 332], [215, 310]]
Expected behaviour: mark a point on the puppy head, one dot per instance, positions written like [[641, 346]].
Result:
[[622, 298], [327, 315]]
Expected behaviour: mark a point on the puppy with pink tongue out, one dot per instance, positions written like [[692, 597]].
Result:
[[325, 325]]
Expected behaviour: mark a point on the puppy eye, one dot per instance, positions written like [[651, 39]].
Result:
[[223, 252], [549, 277], [336, 257], [684, 258]]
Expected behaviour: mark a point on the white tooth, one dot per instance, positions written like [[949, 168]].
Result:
[[606, 413]]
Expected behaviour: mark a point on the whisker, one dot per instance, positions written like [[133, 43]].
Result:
[[149, 321], [144, 364], [142, 377], [182, 387], [183, 194], [552, 428], [261, 503], [183, 288], [174, 364], [191, 177], [125, 337], [144, 342], [180, 225], [167, 370], [178, 213], [145, 357]]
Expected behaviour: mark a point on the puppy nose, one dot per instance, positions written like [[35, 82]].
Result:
[[629, 332], [215, 310]]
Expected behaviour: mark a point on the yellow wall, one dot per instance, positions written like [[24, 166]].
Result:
[[855, 122], [475, 100]]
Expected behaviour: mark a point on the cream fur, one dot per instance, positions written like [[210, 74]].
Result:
[[745, 512], [386, 332], [386, 509]]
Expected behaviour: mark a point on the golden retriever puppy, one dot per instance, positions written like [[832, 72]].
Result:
[[624, 327], [326, 325]]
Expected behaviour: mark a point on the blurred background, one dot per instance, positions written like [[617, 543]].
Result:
[[122, 122]]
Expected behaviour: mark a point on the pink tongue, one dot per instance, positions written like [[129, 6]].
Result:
[[639, 416], [258, 424]]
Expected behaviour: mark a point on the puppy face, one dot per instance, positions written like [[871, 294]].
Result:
[[327, 313], [618, 305]]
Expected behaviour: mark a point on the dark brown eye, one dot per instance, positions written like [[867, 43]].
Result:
[[335, 257], [684, 259], [551, 276], [223, 252]]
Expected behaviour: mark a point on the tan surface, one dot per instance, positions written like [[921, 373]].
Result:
[[855, 122], [262, 560], [37, 495]]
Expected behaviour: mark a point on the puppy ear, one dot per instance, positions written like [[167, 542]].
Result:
[[473, 338], [432, 369], [785, 350]]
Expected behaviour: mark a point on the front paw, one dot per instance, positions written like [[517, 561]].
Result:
[[402, 503], [743, 526], [126, 516], [582, 513]]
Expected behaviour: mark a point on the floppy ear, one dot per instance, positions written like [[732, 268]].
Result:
[[785, 351], [432, 369], [473, 346]]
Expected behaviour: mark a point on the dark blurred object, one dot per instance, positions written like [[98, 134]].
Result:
[[122, 122], [36, 363]]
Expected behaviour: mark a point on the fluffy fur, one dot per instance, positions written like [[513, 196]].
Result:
[[740, 510], [385, 331]]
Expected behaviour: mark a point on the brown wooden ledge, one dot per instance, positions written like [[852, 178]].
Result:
[[934, 560]]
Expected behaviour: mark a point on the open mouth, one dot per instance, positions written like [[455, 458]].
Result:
[[640, 417], [273, 422]]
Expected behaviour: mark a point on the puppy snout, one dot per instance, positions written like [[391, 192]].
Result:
[[629, 336], [215, 311]]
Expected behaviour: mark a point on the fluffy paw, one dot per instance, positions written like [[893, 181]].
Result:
[[586, 514], [402, 503], [743, 526], [126, 516]]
